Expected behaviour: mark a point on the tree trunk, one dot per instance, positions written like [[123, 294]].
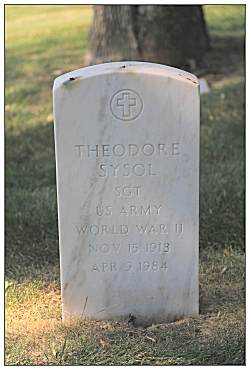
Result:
[[112, 35], [167, 34]]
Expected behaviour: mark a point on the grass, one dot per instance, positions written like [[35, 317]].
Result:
[[45, 41]]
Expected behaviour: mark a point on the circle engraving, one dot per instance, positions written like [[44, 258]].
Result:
[[126, 105]]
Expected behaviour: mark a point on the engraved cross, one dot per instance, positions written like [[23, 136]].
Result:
[[126, 102]]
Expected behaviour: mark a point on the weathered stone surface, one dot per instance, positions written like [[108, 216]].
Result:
[[127, 154]]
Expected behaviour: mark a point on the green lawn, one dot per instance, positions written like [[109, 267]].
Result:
[[43, 42]]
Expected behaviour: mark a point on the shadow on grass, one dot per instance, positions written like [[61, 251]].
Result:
[[225, 56], [31, 213], [222, 168]]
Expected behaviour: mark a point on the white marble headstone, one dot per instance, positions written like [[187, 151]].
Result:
[[127, 157]]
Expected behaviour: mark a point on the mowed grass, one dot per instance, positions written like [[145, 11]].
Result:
[[42, 42]]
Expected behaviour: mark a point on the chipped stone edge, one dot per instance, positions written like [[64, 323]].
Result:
[[72, 77]]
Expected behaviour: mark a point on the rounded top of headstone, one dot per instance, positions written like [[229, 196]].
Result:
[[126, 67]]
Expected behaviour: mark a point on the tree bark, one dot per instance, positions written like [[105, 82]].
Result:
[[112, 35], [167, 34]]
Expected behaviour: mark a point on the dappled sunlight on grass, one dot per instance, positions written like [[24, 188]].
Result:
[[33, 25], [225, 20], [27, 319]]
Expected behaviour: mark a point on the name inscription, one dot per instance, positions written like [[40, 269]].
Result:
[[130, 150]]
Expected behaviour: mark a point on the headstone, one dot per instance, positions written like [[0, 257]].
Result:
[[127, 156], [204, 87]]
